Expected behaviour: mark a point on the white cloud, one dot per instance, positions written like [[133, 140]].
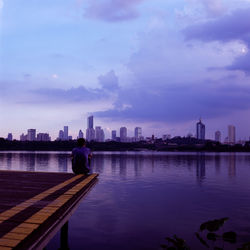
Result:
[[214, 7]]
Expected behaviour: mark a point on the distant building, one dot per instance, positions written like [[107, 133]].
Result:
[[123, 134], [90, 132], [31, 136], [80, 134], [113, 135], [90, 122], [66, 133], [60, 135], [70, 137], [217, 136], [200, 131], [231, 134], [99, 134], [138, 133], [23, 137], [9, 137], [43, 137]]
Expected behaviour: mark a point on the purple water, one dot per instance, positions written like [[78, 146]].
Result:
[[142, 197]]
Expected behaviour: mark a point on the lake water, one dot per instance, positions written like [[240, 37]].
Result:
[[142, 197]]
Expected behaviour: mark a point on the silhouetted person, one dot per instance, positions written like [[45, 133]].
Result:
[[81, 156]]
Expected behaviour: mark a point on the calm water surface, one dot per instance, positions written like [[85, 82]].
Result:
[[142, 197]]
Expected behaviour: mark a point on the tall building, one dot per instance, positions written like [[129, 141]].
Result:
[[231, 134], [60, 135], [65, 133], [90, 122], [80, 134], [217, 136], [23, 137], [138, 133], [123, 134], [113, 135], [43, 137], [200, 131], [90, 132], [99, 134], [9, 137], [31, 136]]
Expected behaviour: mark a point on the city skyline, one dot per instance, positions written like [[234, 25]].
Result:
[[158, 65], [98, 134]]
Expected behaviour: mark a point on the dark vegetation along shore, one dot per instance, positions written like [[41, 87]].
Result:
[[175, 144]]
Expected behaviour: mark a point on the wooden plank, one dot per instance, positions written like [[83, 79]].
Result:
[[45, 210]]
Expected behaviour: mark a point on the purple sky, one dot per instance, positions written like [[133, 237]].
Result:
[[156, 64]]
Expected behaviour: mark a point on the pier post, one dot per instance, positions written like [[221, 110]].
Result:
[[64, 237]]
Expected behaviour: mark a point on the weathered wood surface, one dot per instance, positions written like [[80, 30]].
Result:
[[32, 203]]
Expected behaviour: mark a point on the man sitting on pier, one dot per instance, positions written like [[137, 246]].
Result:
[[81, 156]]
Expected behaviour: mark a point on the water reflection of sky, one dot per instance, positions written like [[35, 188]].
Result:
[[142, 197]]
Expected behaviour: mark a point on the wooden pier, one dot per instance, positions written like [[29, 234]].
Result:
[[34, 206]]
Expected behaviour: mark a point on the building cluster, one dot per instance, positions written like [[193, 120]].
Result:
[[124, 135], [64, 134], [97, 134], [32, 136], [230, 138]]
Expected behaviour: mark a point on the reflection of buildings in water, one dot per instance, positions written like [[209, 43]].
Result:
[[97, 163], [62, 162], [9, 160], [232, 165], [138, 165], [153, 163], [200, 167], [217, 160], [42, 161], [123, 165], [27, 161], [113, 163], [1, 159]]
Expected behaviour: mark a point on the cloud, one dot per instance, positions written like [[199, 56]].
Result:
[[72, 95], [108, 86], [214, 7], [25, 93], [166, 103], [109, 81], [231, 27], [172, 83], [112, 10]]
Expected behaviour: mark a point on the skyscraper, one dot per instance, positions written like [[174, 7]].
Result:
[[217, 136], [138, 133], [9, 137], [60, 135], [99, 134], [231, 134], [90, 132], [31, 136], [123, 134], [80, 134], [43, 137], [113, 135], [200, 131], [90, 122], [65, 133]]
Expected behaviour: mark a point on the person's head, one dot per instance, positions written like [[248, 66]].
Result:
[[81, 142]]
